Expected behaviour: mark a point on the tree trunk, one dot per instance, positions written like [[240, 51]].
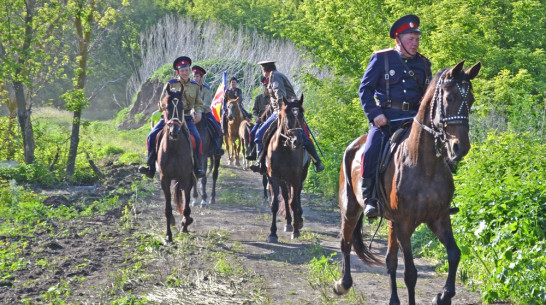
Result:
[[23, 115], [74, 141]]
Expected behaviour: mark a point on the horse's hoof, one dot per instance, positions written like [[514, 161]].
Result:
[[288, 228], [295, 235], [339, 289], [273, 239], [193, 203], [237, 164], [186, 222], [438, 300], [299, 225], [212, 201]]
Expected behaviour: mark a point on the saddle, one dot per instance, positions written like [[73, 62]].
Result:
[[392, 143], [161, 133]]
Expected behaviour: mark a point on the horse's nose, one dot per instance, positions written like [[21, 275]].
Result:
[[456, 150]]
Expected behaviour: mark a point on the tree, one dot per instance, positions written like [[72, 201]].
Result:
[[88, 16], [27, 40]]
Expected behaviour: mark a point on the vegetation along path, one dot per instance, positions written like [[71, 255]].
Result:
[[116, 255]]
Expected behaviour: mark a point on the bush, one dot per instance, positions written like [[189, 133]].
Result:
[[501, 191]]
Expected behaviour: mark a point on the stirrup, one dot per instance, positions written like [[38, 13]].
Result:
[[199, 173], [453, 211], [371, 210], [146, 171]]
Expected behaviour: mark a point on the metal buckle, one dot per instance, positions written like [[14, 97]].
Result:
[[405, 106], [387, 76], [388, 105]]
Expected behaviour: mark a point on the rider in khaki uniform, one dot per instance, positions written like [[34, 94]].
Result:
[[188, 91], [260, 104], [206, 97]]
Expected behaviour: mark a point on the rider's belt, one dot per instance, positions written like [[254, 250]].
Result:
[[404, 106]]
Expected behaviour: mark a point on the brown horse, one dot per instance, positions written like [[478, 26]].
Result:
[[244, 138], [287, 167], [209, 152], [235, 117], [417, 185], [174, 157]]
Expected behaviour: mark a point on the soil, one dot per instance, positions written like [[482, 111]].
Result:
[[119, 256]]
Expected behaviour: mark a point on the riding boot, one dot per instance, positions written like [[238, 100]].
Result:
[[219, 149], [150, 170], [371, 203], [259, 165], [199, 173], [251, 153], [319, 167]]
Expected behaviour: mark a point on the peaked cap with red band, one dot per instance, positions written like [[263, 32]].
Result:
[[404, 25], [197, 69], [182, 61]]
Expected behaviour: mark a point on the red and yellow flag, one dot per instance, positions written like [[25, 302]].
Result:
[[217, 101]]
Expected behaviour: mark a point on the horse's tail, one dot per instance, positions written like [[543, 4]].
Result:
[[360, 249], [177, 195]]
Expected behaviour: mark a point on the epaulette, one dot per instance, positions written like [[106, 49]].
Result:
[[174, 80], [423, 56], [192, 81], [206, 86], [385, 50]]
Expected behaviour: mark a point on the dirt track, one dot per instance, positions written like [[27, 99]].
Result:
[[225, 259]]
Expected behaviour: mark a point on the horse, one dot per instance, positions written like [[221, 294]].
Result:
[[244, 138], [209, 152], [174, 158], [416, 185], [287, 168], [235, 117]]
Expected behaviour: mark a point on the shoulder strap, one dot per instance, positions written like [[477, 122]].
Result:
[[411, 73], [387, 82]]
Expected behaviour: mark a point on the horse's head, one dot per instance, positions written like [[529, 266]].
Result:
[[291, 121], [233, 109], [450, 108], [174, 116]]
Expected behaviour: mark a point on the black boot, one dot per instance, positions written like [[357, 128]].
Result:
[[219, 149], [150, 170], [319, 167], [371, 203], [251, 153], [197, 170], [259, 165]]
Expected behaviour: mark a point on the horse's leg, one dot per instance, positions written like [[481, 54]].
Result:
[[166, 187], [349, 223], [183, 193], [442, 229], [228, 148], [404, 230], [237, 152], [266, 193], [295, 206], [216, 164], [203, 182], [195, 195], [274, 188], [391, 259], [287, 210]]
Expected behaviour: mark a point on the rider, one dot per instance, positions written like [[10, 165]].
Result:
[[260, 103], [191, 99], [279, 87], [206, 97], [397, 79], [232, 93]]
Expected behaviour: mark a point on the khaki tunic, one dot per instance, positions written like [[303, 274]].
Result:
[[191, 97], [260, 103], [206, 97]]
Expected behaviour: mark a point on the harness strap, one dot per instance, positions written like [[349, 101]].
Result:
[[411, 73], [387, 82]]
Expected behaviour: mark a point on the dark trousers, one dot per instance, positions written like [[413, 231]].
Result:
[[150, 142], [377, 137]]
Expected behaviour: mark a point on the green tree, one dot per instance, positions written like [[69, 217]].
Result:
[[29, 56], [87, 16]]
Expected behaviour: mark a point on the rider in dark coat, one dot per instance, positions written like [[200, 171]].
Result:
[[232, 93], [390, 92]]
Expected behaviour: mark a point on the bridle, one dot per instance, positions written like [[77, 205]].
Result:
[[286, 131], [437, 129], [175, 117], [230, 113]]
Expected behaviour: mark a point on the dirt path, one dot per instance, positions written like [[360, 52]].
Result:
[[119, 257]]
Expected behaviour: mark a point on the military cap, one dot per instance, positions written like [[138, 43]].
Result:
[[265, 81], [404, 25], [197, 69], [267, 65], [182, 61]]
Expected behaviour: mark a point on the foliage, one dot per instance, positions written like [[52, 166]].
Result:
[[501, 192]]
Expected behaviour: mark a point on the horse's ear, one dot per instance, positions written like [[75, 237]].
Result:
[[455, 70], [301, 99], [474, 70]]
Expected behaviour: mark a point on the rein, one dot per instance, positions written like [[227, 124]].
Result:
[[438, 130], [286, 128]]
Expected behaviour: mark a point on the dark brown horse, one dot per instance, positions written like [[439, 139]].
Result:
[[417, 185], [244, 139], [209, 152], [174, 157], [235, 117], [287, 167]]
